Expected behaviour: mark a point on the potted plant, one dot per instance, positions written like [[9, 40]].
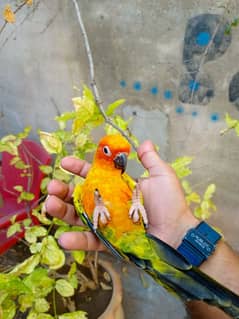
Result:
[[47, 273]]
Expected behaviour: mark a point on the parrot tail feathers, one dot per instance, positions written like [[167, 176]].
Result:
[[168, 254], [101, 237], [188, 281]]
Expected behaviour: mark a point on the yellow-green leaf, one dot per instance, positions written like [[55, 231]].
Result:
[[44, 184], [80, 140], [74, 315], [209, 192], [50, 142], [8, 309], [13, 229], [34, 232], [78, 255], [64, 288], [27, 266], [41, 305], [46, 169], [51, 254], [113, 106]]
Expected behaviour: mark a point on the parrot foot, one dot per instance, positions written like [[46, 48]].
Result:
[[100, 212], [137, 209]]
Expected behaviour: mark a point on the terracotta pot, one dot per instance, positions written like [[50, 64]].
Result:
[[114, 309]]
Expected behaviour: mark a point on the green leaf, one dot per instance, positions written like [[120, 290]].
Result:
[[60, 230], [61, 175], [186, 187], [25, 132], [46, 169], [78, 255], [18, 188], [81, 140], [180, 166], [41, 305], [87, 93], [27, 222], [237, 129], [12, 285], [39, 282], [27, 196], [113, 106], [41, 217], [44, 183], [50, 142], [13, 219], [27, 266], [209, 192], [26, 301], [3, 296], [74, 315], [65, 117], [193, 197], [13, 229], [198, 212], [230, 121], [64, 288], [35, 247], [72, 275], [9, 309], [34, 232], [51, 254], [35, 315]]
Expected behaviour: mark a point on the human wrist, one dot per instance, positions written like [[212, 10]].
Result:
[[173, 232]]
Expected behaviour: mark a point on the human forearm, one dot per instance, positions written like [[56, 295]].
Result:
[[223, 266]]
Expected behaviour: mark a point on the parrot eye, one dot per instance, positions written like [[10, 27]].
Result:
[[106, 151]]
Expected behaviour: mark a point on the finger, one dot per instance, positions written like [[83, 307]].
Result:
[[151, 160], [56, 207], [60, 190], [80, 241], [75, 165]]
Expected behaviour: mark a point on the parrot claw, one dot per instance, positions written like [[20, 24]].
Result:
[[137, 209], [100, 213]]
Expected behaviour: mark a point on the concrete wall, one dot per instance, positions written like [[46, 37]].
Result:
[[171, 61]]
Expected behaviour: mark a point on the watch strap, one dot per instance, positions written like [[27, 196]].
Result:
[[199, 243]]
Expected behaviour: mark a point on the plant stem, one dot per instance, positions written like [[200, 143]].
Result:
[[54, 302], [92, 76]]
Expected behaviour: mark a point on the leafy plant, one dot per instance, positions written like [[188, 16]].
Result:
[[29, 285], [232, 124]]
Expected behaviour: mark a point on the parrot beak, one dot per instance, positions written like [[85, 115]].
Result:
[[120, 161]]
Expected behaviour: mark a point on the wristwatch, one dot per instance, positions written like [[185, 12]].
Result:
[[199, 243]]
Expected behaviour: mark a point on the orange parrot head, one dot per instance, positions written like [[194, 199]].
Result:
[[112, 152]]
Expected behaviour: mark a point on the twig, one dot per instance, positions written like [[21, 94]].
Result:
[[92, 76], [202, 60]]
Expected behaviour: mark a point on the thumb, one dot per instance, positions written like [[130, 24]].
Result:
[[151, 161]]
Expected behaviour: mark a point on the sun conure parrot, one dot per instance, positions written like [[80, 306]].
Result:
[[110, 203]]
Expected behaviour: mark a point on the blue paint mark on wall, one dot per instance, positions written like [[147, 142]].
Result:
[[214, 117], [123, 83], [137, 86], [168, 94], [154, 90], [203, 38], [179, 109], [194, 113]]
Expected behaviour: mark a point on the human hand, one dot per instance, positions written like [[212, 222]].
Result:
[[168, 214]]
